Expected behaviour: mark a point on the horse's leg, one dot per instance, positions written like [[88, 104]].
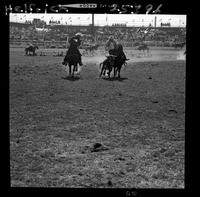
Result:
[[70, 70], [119, 69], [115, 71], [74, 67], [109, 71], [101, 66], [102, 69]]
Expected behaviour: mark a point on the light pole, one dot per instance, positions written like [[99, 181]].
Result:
[[133, 22], [169, 21], [106, 20], [160, 22], [79, 21], [155, 21]]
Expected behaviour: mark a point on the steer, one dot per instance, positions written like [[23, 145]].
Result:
[[107, 64]]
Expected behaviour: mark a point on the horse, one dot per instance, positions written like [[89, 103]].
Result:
[[31, 49], [119, 62], [179, 45], [143, 47], [119, 59], [72, 58]]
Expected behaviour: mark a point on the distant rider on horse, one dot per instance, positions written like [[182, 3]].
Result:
[[75, 42]]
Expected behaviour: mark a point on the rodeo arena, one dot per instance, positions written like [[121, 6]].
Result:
[[97, 105]]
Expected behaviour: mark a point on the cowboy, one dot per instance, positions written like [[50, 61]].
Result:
[[111, 45], [75, 42]]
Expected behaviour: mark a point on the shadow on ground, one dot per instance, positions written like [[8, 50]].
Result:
[[115, 79], [76, 78]]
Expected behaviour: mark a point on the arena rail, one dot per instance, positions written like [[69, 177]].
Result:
[[41, 44], [63, 44]]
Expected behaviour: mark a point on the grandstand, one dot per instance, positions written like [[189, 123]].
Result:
[[58, 35]]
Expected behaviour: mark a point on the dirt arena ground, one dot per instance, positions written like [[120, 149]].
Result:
[[138, 120]]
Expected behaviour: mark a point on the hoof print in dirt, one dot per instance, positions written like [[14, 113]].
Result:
[[154, 101], [121, 159], [97, 147], [172, 111], [119, 94]]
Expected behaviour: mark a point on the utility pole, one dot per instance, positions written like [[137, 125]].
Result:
[[155, 22], [93, 29]]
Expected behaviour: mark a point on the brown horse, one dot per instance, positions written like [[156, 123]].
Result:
[[31, 49]]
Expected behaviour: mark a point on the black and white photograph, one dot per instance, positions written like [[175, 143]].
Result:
[[97, 100]]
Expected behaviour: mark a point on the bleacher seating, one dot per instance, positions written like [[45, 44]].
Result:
[[128, 35]]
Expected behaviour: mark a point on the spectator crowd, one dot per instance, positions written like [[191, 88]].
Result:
[[125, 35]]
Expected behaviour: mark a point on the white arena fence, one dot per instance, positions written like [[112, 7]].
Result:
[[63, 44]]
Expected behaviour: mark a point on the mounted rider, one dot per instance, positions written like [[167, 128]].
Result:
[[111, 46], [115, 48], [75, 42]]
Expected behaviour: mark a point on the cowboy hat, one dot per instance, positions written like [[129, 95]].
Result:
[[78, 34], [110, 55]]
